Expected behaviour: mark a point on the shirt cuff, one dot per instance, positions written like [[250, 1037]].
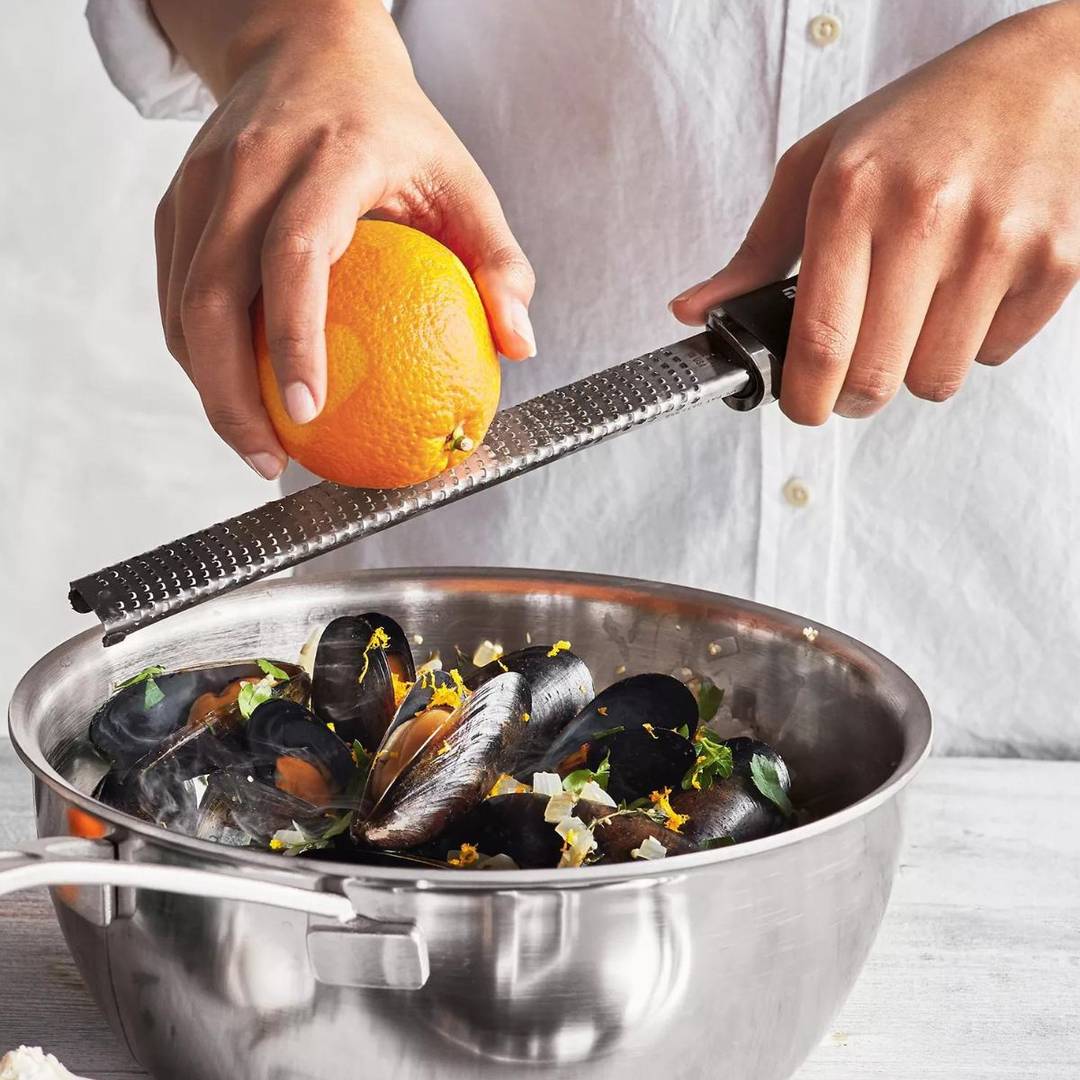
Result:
[[142, 63]]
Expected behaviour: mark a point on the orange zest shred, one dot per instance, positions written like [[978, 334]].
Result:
[[673, 820], [525, 717], [649, 728], [602, 710], [558, 647], [401, 688], [466, 856], [445, 697], [379, 639], [444, 748]]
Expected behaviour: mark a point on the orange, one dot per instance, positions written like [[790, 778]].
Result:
[[413, 376]]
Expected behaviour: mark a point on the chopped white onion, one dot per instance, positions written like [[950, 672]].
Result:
[[593, 792], [559, 806], [650, 848], [547, 783]]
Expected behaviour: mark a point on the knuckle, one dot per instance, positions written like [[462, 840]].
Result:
[[203, 301], [935, 388], [511, 261], [250, 146], [291, 240], [852, 177], [229, 420], [873, 388], [929, 203], [290, 346], [1058, 259], [1001, 234], [175, 341], [820, 345]]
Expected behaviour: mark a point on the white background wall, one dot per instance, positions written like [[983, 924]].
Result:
[[103, 447]]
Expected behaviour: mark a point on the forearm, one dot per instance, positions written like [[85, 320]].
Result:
[[222, 38]]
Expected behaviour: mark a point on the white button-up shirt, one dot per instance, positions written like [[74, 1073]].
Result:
[[631, 144]]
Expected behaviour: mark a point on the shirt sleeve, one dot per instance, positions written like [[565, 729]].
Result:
[[142, 63]]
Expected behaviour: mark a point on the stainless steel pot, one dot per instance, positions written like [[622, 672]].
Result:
[[224, 963]]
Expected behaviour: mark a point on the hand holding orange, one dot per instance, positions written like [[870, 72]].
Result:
[[412, 372]]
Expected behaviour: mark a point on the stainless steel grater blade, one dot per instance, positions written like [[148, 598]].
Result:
[[725, 361]]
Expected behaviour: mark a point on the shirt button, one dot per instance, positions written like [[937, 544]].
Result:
[[796, 492], [824, 29]]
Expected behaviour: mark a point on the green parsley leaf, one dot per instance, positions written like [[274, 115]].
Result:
[[297, 840], [709, 698], [763, 772], [152, 694], [363, 767], [713, 762], [252, 695], [608, 732], [684, 731], [273, 670], [580, 777]]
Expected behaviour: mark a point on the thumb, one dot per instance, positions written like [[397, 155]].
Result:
[[772, 243], [481, 238]]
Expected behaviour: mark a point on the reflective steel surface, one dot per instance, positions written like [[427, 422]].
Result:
[[726, 963]]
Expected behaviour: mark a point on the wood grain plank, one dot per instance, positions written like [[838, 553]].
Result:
[[975, 975]]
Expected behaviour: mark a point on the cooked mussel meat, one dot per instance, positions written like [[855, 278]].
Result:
[[560, 684], [735, 809], [437, 765], [362, 669], [657, 700]]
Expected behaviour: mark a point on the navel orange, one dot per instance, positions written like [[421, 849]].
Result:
[[413, 376]]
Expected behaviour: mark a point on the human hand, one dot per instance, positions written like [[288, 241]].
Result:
[[938, 220], [320, 122]]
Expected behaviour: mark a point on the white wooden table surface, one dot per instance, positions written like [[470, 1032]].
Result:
[[975, 975]]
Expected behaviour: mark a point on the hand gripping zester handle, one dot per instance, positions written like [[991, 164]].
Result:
[[737, 358]]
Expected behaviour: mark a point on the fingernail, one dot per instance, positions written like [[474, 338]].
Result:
[[299, 403], [519, 320], [683, 296], [267, 465]]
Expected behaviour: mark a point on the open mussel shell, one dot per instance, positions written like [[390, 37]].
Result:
[[642, 761], [212, 738], [734, 809], [659, 700], [125, 729], [237, 804], [447, 774], [561, 686], [287, 742], [419, 696], [353, 678]]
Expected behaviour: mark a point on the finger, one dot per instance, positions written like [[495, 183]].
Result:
[[774, 240], [952, 334], [215, 312], [476, 230], [311, 228], [164, 233], [1020, 317], [902, 280], [829, 305]]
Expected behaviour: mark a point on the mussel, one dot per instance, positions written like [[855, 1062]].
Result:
[[236, 805], [734, 809], [362, 668], [657, 700], [300, 756], [561, 686], [641, 760], [135, 720], [617, 835], [438, 764]]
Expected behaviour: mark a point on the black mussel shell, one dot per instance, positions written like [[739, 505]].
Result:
[[237, 804], [511, 825], [163, 798], [617, 835], [561, 686], [216, 742], [453, 771], [281, 728], [659, 700], [352, 684], [642, 761], [734, 808], [125, 730]]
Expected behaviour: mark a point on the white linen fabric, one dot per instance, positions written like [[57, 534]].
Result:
[[631, 142]]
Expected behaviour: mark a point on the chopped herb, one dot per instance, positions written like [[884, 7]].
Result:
[[253, 694], [684, 731], [297, 840], [767, 781], [271, 669], [713, 762], [718, 841], [709, 698], [607, 732], [152, 694], [580, 777], [363, 767]]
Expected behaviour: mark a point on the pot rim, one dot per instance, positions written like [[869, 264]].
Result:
[[918, 736]]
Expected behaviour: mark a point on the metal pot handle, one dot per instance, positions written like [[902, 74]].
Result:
[[353, 951]]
